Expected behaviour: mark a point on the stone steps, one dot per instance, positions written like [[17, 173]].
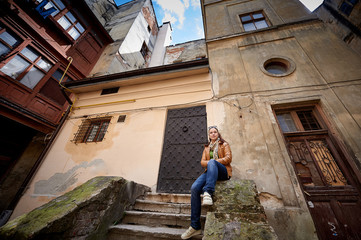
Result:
[[156, 216], [136, 232]]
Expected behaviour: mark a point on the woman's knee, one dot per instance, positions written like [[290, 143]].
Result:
[[196, 189], [211, 162]]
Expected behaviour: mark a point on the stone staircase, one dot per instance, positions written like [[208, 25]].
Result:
[[156, 216]]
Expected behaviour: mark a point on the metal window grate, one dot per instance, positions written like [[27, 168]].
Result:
[[92, 130], [308, 121]]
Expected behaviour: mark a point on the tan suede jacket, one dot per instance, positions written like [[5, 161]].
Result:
[[224, 157]]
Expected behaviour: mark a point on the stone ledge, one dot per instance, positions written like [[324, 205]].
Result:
[[237, 213], [83, 213]]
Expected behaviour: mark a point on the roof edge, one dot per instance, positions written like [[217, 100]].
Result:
[[138, 72]]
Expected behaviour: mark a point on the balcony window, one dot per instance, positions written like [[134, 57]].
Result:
[[28, 67]]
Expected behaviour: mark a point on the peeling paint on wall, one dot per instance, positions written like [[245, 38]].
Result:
[[185, 51], [59, 182]]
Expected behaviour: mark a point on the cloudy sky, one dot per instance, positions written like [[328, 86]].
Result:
[[186, 17]]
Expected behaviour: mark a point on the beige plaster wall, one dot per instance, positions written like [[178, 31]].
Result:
[[130, 149]]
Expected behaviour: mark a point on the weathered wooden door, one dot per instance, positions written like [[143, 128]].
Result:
[[184, 139], [330, 186]]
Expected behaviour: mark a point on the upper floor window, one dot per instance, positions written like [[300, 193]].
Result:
[[144, 50], [8, 41], [253, 21], [28, 67], [298, 121], [65, 18], [347, 6]]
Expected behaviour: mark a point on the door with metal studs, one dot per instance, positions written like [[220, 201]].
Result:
[[184, 139]]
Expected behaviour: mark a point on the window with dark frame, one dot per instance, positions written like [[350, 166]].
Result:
[[92, 130], [297, 121], [8, 42], [65, 18], [144, 50], [28, 67], [347, 6], [253, 21]]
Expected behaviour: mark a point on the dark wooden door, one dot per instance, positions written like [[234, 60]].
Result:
[[184, 139], [329, 184]]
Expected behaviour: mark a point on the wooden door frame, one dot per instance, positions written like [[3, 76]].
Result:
[[349, 162]]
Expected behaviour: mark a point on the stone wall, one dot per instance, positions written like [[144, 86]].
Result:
[[83, 213], [237, 213]]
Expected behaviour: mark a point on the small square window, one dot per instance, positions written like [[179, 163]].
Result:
[[121, 118], [253, 21]]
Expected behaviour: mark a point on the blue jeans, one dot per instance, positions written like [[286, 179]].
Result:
[[205, 183]]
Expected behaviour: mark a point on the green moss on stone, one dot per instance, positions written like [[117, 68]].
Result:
[[25, 226], [237, 213]]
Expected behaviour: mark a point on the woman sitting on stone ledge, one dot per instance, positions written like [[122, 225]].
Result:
[[216, 160]]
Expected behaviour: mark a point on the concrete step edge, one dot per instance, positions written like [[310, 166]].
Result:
[[142, 230], [169, 198], [160, 203]]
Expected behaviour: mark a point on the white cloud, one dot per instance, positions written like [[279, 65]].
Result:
[[186, 3], [168, 17], [195, 3], [200, 33], [172, 8]]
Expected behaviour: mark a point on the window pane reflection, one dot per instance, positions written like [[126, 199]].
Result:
[[249, 27], [74, 33], [79, 27], [71, 17], [32, 78], [30, 54], [15, 67], [4, 49], [64, 23], [9, 39], [261, 24], [45, 65], [286, 122]]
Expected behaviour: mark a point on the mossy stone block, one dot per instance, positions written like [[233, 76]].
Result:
[[237, 213], [83, 213]]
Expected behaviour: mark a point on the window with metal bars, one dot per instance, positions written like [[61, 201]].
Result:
[[298, 121], [92, 130], [253, 21]]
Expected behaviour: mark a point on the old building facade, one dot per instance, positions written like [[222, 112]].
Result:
[[42, 43], [343, 18], [281, 70], [46, 43], [279, 84]]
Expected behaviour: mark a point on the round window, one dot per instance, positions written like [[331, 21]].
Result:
[[278, 66]]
